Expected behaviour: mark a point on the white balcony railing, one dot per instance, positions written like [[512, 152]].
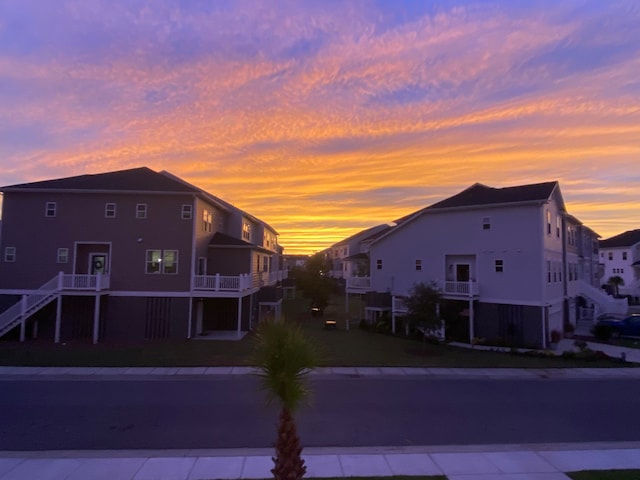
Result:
[[358, 284], [237, 283], [84, 282], [466, 289]]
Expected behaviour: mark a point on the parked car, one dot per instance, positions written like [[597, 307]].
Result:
[[628, 326]]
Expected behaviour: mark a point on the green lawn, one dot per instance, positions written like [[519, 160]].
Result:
[[605, 475], [338, 347]]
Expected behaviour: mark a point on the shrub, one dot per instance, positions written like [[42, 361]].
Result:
[[555, 336]]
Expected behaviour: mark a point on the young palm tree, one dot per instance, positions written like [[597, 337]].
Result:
[[284, 356]]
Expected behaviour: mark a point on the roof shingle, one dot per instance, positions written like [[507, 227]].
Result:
[[134, 179], [626, 239]]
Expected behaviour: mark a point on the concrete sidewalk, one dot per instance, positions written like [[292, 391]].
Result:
[[500, 462], [150, 373]]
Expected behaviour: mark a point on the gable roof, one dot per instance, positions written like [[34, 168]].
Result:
[[134, 179], [363, 235], [626, 239], [480, 195]]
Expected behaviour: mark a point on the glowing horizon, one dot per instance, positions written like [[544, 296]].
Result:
[[323, 119]]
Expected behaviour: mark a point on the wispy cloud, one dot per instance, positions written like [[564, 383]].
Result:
[[359, 112]]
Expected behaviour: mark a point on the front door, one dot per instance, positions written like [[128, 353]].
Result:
[[462, 272], [98, 263]]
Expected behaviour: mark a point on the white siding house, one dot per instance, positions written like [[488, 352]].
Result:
[[620, 256], [502, 252]]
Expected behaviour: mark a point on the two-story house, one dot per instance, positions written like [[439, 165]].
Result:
[[132, 254], [502, 254], [620, 256]]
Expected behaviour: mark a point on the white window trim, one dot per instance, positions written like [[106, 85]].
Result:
[[186, 212], [141, 211], [10, 254], [162, 261], [48, 206], [62, 255], [110, 210]]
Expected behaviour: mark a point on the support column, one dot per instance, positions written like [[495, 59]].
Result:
[[239, 316], [96, 320], [56, 335], [471, 331], [23, 318], [346, 301], [190, 318]]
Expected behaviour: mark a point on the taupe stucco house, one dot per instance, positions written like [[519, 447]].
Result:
[[130, 255]]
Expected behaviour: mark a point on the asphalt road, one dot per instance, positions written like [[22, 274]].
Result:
[[226, 412]]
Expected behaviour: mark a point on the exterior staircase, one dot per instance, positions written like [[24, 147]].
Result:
[[29, 304], [605, 303]]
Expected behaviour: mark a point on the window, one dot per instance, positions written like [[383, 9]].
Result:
[[9, 254], [50, 209], [548, 222], [499, 266], [601, 254], [110, 210], [162, 261], [418, 265], [154, 261], [379, 264], [265, 264], [170, 261], [63, 255], [207, 221], [548, 271], [246, 232], [559, 271], [486, 223], [141, 210], [558, 224], [610, 255], [624, 255], [185, 212]]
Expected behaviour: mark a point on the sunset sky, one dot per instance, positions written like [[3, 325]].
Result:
[[323, 118]]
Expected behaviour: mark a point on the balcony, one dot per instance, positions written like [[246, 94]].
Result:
[[460, 289], [237, 283], [358, 284], [83, 282]]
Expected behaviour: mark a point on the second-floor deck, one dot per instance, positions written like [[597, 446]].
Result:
[[237, 283], [211, 283], [449, 289]]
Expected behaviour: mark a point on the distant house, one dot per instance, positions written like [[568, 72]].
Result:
[[348, 257], [515, 263], [620, 256], [130, 255]]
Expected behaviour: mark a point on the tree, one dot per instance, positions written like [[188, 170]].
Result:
[[422, 307], [314, 282], [616, 281], [284, 357]]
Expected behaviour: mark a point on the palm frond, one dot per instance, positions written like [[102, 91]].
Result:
[[283, 357]]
